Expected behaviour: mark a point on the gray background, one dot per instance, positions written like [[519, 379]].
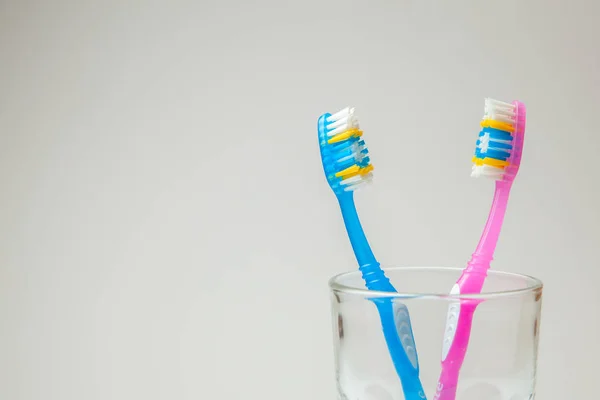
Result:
[[165, 228]]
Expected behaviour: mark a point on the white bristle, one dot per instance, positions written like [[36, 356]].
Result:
[[340, 114], [484, 142], [499, 111], [350, 181], [342, 121], [486, 171], [358, 151], [357, 182]]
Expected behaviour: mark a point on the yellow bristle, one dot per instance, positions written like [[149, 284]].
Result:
[[366, 170], [503, 126], [348, 172], [492, 162], [345, 135], [353, 171]]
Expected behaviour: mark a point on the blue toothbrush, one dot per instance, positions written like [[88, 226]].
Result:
[[347, 167]]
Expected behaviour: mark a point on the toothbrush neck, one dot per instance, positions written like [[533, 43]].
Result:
[[360, 245], [484, 253]]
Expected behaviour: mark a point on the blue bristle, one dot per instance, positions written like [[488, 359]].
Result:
[[344, 144], [345, 164], [344, 153], [491, 153], [497, 145], [496, 134]]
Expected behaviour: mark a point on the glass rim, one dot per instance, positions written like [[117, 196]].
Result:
[[533, 284]]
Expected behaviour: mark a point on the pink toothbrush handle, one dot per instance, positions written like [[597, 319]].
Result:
[[446, 389], [456, 341], [460, 316]]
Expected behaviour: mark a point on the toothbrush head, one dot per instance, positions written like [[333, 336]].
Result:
[[344, 154], [500, 143]]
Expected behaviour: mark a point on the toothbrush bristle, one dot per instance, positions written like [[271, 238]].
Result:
[[495, 144], [344, 153]]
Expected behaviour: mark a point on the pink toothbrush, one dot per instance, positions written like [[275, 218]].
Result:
[[497, 156]]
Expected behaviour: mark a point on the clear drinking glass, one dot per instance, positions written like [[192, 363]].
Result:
[[500, 363]]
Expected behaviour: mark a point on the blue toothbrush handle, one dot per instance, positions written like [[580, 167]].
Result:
[[398, 337], [375, 278], [394, 317]]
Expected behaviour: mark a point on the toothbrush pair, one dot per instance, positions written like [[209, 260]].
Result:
[[497, 156], [347, 166]]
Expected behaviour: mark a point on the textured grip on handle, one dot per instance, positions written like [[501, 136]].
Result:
[[448, 381], [375, 278], [404, 329], [451, 323], [406, 370]]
